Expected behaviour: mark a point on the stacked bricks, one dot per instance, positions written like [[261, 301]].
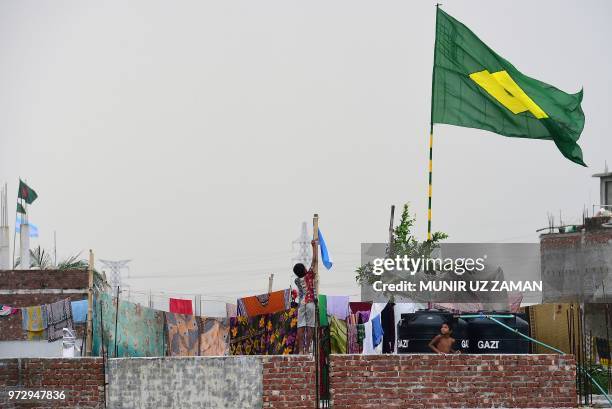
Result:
[[455, 381], [24, 288], [289, 381], [81, 379]]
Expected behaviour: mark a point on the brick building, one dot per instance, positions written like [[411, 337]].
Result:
[[24, 288]]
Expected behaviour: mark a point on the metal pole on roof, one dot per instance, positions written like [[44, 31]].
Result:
[[90, 280], [116, 321], [315, 338], [270, 282]]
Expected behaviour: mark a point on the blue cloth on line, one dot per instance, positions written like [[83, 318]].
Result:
[[79, 311], [324, 253], [377, 331]]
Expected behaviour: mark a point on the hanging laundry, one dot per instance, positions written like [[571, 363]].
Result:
[[183, 334], [79, 311], [353, 341], [59, 316], [360, 306], [265, 303], [323, 322], [338, 335], [268, 334], [360, 336], [368, 346], [34, 318], [361, 311], [377, 331], [231, 310], [363, 317], [214, 336], [387, 319], [6, 310], [180, 306], [140, 330], [338, 305]]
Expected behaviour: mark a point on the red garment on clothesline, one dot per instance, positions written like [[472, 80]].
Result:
[[179, 306]]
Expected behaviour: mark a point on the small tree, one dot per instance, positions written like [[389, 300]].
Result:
[[404, 243], [41, 259]]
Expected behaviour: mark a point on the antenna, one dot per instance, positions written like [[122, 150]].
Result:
[[5, 241], [115, 271], [304, 251], [302, 243]]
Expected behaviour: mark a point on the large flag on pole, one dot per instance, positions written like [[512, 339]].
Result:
[[476, 88], [26, 192]]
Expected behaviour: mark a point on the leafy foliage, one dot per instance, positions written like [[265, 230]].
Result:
[[404, 243], [41, 259]]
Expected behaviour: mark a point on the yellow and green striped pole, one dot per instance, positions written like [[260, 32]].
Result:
[[430, 179], [431, 122]]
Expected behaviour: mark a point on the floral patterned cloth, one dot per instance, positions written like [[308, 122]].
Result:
[[214, 336], [268, 334], [183, 334]]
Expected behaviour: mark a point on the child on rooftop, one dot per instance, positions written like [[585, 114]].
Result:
[[443, 342]]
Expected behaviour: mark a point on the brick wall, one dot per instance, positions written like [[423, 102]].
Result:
[[37, 279], [289, 381], [470, 381], [552, 241], [24, 288], [82, 379]]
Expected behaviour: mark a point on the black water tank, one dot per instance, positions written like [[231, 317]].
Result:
[[462, 335], [416, 330], [488, 337]]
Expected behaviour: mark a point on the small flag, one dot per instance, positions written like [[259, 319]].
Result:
[[324, 253], [33, 227], [26, 192], [20, 209]]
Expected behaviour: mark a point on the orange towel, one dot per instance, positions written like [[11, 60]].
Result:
[[266, 303]]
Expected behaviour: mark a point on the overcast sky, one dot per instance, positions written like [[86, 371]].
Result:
[[194, 137]]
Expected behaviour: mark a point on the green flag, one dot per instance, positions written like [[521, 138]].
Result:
[[20, 209], [476, 88], [26, 193]]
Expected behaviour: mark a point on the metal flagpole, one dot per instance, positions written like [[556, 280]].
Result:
[[430, 180], [15, 230], [433, 80]]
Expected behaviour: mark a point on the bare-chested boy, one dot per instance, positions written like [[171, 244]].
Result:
[[443, 343]]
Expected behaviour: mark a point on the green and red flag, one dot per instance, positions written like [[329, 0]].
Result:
[[26, 193], [475, 87], [20, 209]]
